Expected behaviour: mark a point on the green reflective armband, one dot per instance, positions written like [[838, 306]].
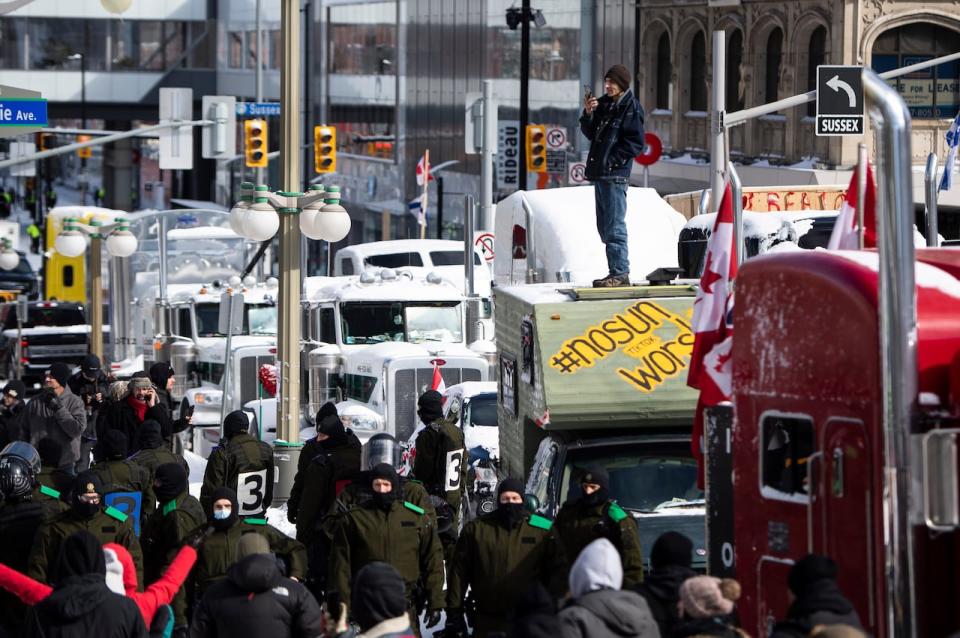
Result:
[[616, 513], [117, 514], [49, 491], [169, 507], [540, 522], [410, 506], [255, 521]]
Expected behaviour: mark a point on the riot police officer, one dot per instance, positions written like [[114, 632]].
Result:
[[243, 464], [20, 516], [441, 464], [219, 550], [393, 531], [498, 557], [121, 475], [594, 515], [87, 512]]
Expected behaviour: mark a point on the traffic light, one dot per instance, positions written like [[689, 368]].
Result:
[[324, 149], [86, 152], [255, 143], [536, 148], [44, 141]]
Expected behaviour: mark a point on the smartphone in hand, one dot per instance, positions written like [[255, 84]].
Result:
[[587, 92]]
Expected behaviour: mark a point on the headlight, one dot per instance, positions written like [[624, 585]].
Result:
[[212, 399], [361, 422]]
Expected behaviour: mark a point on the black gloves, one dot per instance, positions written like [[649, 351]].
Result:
[[432, 619]]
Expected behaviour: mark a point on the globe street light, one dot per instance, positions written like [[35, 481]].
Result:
[[8, 256], [72, 242]]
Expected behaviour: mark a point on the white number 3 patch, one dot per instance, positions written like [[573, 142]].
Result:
[[454, 465]]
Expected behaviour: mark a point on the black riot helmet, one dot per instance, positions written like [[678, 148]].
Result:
[[26, 452], [381, 448], [16, 478]]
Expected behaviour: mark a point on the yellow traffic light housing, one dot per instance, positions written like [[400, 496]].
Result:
[[536, 148], [44, 141], [324, 149], [255, 143], [85, 152]]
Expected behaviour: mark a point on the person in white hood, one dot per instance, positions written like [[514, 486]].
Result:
[[599, 609]]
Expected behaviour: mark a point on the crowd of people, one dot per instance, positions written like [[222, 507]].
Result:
[[121, 548]]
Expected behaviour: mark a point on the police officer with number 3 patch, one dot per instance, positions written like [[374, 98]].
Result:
[[441, 465], [241, 463]]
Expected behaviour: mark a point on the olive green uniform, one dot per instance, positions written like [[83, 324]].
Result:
[[51, 499], [152, 459], [219, 552], [240, 454], [498, 564], [164, 532], [577, 525], [108, 525], [357, 493], [441, 465], [125, 475], [401, 536], [319, 470]]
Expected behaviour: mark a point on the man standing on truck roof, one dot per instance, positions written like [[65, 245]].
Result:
[[614, 125], [594, 515], [441, 465], [90, 384], [57, 413]]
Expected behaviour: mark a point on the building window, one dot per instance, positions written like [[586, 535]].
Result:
[[664, 71], [253, 49], [734, 96], [930, 93], [151, 49], [774, 58], [816, 55], [235, 47], [698, 73], [786, 450]]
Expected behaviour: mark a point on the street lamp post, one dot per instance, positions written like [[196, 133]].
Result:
[[83, 120], [72, 242]]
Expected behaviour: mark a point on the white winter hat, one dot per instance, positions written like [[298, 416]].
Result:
[[597, 567], [114, 572]]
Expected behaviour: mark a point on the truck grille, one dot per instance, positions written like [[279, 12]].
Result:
[[250, 378], [411, 383]]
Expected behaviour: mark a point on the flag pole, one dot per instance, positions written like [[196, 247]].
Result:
[[423, 201], [861, 190]]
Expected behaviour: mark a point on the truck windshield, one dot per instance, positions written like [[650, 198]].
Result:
[[416, 322], [483, 410], [359, 387], [258, 319], [641, 477]]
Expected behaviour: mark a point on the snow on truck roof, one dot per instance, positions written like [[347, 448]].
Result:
[[564, 238], [403, 288], [391, 246]]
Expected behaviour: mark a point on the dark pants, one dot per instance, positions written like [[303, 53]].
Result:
[[611, 200], [86, 448]]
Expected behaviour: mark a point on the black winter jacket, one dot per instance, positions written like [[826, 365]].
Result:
[[661, 589], [255, 600], [120, 416], [822, 604], [82, 607], [10, 428], [615, 131], [87, 390]]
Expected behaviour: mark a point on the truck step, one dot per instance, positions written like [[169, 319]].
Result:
[[629, 292]]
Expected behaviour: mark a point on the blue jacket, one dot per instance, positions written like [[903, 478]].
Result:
[[615, 131]]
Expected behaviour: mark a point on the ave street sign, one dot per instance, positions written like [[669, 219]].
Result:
[[22, 111], [839, 100], [258, 109]]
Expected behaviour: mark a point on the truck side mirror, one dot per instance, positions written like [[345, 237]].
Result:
[[531, 502]]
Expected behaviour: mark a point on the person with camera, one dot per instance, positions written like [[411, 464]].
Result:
[[614, 125], [140, 404], [162, 376], [90, 384], [58, 414]]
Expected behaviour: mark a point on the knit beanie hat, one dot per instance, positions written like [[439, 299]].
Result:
[[619, 75], [808, 570], [113, 445], [378, 594], [91, 364], [707, 596], [139, 380], [61, 372], [509, 485], [671, 548], [16, 389], [596, 475], [235, 423], [80, 554], [160, 372], [386, 472], [327, 409], [171, 481], [430, 406], [250, 544]]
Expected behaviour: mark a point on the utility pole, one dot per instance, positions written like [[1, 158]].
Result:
[[288, 333], [487, 149], [525, 15], [259, 77]]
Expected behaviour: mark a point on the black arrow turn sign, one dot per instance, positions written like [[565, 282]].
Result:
[[839, 100]]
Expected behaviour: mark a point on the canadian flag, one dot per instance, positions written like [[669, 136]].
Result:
[[438, 383], [710, 363], [845, 231], [423, 168]]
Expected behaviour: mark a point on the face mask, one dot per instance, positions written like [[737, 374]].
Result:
[[221, 515], [511, 513], [598, 497], [384, 500], [86, 510]]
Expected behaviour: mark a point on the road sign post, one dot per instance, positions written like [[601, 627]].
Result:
[[839, 100]]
